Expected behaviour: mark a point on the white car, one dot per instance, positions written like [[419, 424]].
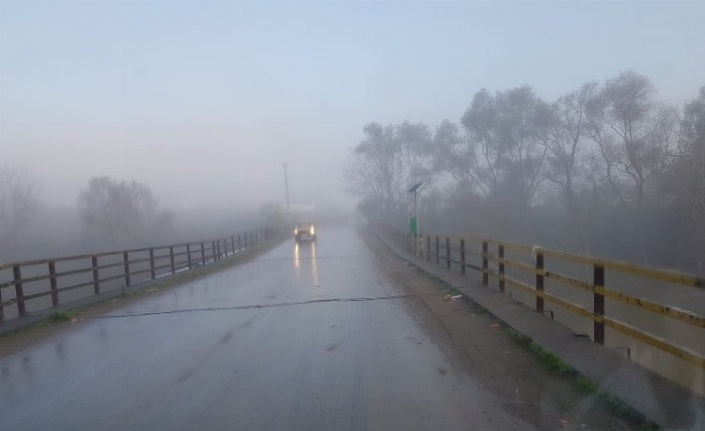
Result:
[[305, 229]]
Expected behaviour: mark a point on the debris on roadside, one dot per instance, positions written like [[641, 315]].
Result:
[[448, 298], [563, 423], [495, 325]]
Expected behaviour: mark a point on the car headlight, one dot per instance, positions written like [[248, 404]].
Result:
[[313, 230], [296, 231]]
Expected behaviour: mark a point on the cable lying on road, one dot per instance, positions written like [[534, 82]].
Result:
[[248, 307]]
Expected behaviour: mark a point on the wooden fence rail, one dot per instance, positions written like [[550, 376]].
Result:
[[110, 266], [442, 249]]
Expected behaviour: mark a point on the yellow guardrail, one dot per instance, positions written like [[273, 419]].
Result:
[[494, 264]]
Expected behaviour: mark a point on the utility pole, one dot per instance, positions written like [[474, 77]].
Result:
[[286, 185]]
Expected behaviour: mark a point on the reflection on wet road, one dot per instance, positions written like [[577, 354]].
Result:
[[308, 336]]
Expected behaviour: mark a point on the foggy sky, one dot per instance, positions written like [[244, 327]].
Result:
[[203, 101]]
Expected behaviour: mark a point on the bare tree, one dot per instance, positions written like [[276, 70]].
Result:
[[121, 213], [18, 203], [507, 138], [456, 155], [375, 169], [684, 195], [634, 132], [415, 142], [484, 144], [566, 138]]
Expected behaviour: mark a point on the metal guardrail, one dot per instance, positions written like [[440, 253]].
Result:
[[440, 249], [162, 260]]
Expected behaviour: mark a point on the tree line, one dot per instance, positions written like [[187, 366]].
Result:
[[111, 214], [608, 169]]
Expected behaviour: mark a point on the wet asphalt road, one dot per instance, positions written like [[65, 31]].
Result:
[[273, 344]]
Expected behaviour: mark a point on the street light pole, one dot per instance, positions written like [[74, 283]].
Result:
[[416, 211], [286, 185]]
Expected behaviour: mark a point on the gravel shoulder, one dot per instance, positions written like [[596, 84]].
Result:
[[527, 386]]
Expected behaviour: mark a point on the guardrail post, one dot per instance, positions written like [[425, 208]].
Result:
[[188, 255], [96, 274], [171, 260], [225, 246], [203, 254], [500, 252], [428, 248], [19, 290], [53, 284], [485, 266], [239, 243], [539, 282], [462, 256], [232, 243], [447, 252], [213, 251], [152, 271], [126, 265], [598, 302], [217, 246], [438, 251]]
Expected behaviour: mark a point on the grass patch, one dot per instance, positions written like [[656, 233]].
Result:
[[586, 386], [552, 361], [453, 290], [583, 384], [126, 294], [60, 316]]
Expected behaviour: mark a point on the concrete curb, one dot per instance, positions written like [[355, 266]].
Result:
[[661, 401]]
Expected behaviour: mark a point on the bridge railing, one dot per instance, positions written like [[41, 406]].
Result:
[[32, 286], [603, 292]]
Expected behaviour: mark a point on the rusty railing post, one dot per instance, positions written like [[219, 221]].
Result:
[[171, 259], [500, 258], [188, 256], [485, 265], [126, 265], [448, 252], [152, 271], [539, 282], [225, 247], [438, 251], [96, 274], [462, 256], [52, 284], [217, 246], [428, 248], [19, 290], [203, 254], [598, 304]]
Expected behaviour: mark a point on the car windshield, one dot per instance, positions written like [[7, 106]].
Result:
[[352, 214]]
